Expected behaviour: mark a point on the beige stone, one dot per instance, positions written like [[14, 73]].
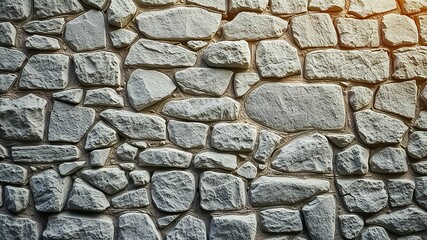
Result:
[[413, 6], [366, 8], [356, 33], [247, 5], [422, 20], [398, 98], [288, 6], [398, 30], [314, 30], [327, 5]]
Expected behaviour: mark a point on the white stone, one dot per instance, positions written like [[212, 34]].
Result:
[[53, 26], [126, 152], [288, 7], [7, 34], [413, 6], [392, 160], [165, 157], [45, 153], [239, 137], [233, 227], [360, 97], [366, 8], [197, 44], [398, 30], [42, 43], [219, 5], [247, 170], [101, 135], [13, 174], [16, 198], [109, 180], [306, 34], [319, 216], [188, 134], [417, 144], [84, 197], [51, 8], [281, 220], [121, 38], [400, 192], [120, 12], [410, 63], [352, 160], [15, 10], [131, 199], [243, 81], [136, 225], [210, 159], [267, 143], [103, 97], [156, 2], [228, 54], [73, 96], [247, 5], [99, 157], [6, 82], [355, 33], [327, 5], [11, 60], [350, 225], [188, 227], [14, 227]]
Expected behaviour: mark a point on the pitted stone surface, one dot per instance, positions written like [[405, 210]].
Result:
[[288, 7], [233, 226], [188, 227], [353, 160], [398, 98], [165, 157], [389, 160], [84, 197], [350, 225], [52, 26], [210, 159], [15, 10], [306, 34], [42, 43], [137, 225], [399, 30], [11, 60], [7, 34], [109, 180], [12, 227], [51, 8], [281, 220], [355, 33], [45, 153], [320, 215], [188, 135], [366, 8], [228, 54], [410, 63], [238, 137]]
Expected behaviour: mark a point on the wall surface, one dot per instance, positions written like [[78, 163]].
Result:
[[213, 119]]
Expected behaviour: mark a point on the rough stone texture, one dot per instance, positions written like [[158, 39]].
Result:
[[12, 227], [7, 34], [243, 82], [15, 10], [122, 38], [389, 160], [228, 54], [400, 192], [410, 63], [366, 8], [120, 12], [220, 5], [281, 220], [137, 225], [42, 43], [101, 135], [45, 153], [165, 157], [374, 233], [327, 5], [109, 180], [188, 135], [356, 33], [131, 199], [84, 197], [360, 97], [306, 34], [13, 174], [352, 160], [238, 137], [103, 97], [267, 143], [288, 7], [320, 215], [417, 144], [233, 226], [398, 30], [51, 8], [188, 227], [52, 26], [350, 225], [11, 60], [247, 5], [73, 96], [420, 195], [217, 160], [6, 82], [16, 198]]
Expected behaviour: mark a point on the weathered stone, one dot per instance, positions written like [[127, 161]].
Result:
[[247, 5], [417, 144], [99, 157], [197, 44], [366, 66], [352, 160], [306, 34], [281, 220], [166, 220], [101, 135], [42, 43], [219, 5], [389, 160], [188, 227], [11, 60], [131, 199], [360, 97], [7, 34], [137, 225], [4, 152], [398, 30], [374, 233], [98, 4], [86, 32], [413, 6], [140, 177], [16, 198], [296, 107], [421, 191], [6, 81], [319, 216], [421, 120], [180, 23], [366, 8], [355, 33], [23, 119], [400, 192], [15, 10], [13, 227], [244, 81], [173, 191], [127, 166], [228, 54], [52, 26], [109, 180], [341, 140], [362, 195], [350, 225], [410, 63], [253, 26], [84, 197], [212, 159], [203, 109], [120, 12], [420, 167], [126, 152], [156, 2], [240, 137], [13, 174], [68, 168], [422, 23], [233, 227], [379, 128], [49, 190], [247, 170], [188, 134], [165, 157], [51, 8], [267, 143], [103, 97], [73, 96], [45, 153], [288, 7], [121, 38], [327, 5], [148, 53], [278, 188]]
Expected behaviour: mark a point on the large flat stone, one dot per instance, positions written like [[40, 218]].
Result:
[[13, 227], [398, 98], [45, 153], [319, 216]]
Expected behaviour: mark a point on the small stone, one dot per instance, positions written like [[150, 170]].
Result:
[[188, 134], [103, 97], [101, 135], [84, 197], [4, 152], [421, 191], [37, 42], [243, 82], [219, 5], [131, 199], [137, 226], [11, 60], [121, 38], [210, 159], [247, 171], [196, 44], [360, 97], [253, 26], [16, 199], [391, 160], [13, 174], [350, 225], [99, 157], [156, 2], [98, 4], [410, 63], [399, 98], [374, 233], [51, 8], [400, 192], [15, 10], [109, 180], [421, 120], [73, 96], [13, 227], [68, 168], [52, 26], [188, 227], [233, 227], [7, 34], [288, 7], [306, 34], [6, 81], [352, 160], [326, 5], [321, 210], [398, 30], [238, 137], [228, 54], [165, 157], [281, 220], [180, 23], [45, 153], [86, 32], [366, 8], [417, 144], [355, 33], [127, 166], [140, 177], [267, 143], [420, 167], [247, 5], [166, 220], [148, 53], [173, 191], [341, 140], [126, 152], [120, 12], [49, 190]]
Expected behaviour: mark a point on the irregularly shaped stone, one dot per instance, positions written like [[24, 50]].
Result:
[[140, 177], [126, 152], [410, 63], [188, 227], [244, 81], [120, 12], [400, 192], [98, 4], [6, 82], [137, 225], [68, 168], [420, 167], [360, 97], [398, 30], [422, 23], [366, 8], [319, 216], [156, 2], [53, 26], [13, 227], [4, 152], [306, 34], [127, 166], [228, 54], [341, 140], [73, 96], [121, 38], [45, 153], [281, 220], [233, 227], [84, 197], [166, 220], [390, 160], [165, 157], [417, 144], [219, 5], [51, 8], [352, 160], [247, 170], [288, 7], [109, 180], [99, 157], [413, 6], [15, 10], [421, 120], [350, 225], [16, 198], [355, 33], [238, 137], [101, 135], [197, 44], [11, 60], [247, 5], [13, 174], [131, 199], [212, 159], [374, 233], [103, 97], [327, 5], [188, 134], [7, 34], [42, 43], [421, 191]]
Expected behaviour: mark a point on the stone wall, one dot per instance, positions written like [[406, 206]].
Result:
[[213, 119]]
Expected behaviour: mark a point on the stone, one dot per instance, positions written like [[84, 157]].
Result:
[[6, 82], [99, 157], [188, 134], [412, 237], [73, 96], [136, 225], [45, 153], [420, 167], [364, 66], [42, 43], [52, 8], [109, 180], [4, 152], [400, 192], [23, 119], [103, 97], [391, 160], [127, 166], [296, 107], [326, 5], [288, 7], [16, 198], [378, 128], [100, 136], [86, 32], [228, 54], [203, 109], [11, 60], [13, 174], [360, 97], [188, 227], [49, 190], [306, 34], [136, 125], [243, 82], [46, 72], [310, 153], [53, 26], [173, 191], [120, 12], [281, 220], [213, 4], [421, 120], [247, 5], [98, 4], [126, 152], [278, 188], [417, 144], [352, 160], [252, 26], [148, 87], [197, 44], [355, 33], [247, 171], [366, 8], [121, 38], [15, 10], [68, 168], [165, 157], [319, 216], [204, 81], [221, 191], [148, 53], [341, 140], [420, 195], [267, 143], [84, 197], [216, 160], [402, 222], [140, 177], [131, 199], [277, 59], [98, 69], [409, 63], [165, 221], [374, 233], [13, 227], [362, 195], [413, 6], [69, 123], [156, 2], [180, 23], [69, 226], [239, 137], [233, 227], [7, 34], [350, 225], [422, 21], [398, 30]]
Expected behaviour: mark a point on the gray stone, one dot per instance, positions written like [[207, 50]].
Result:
[[319, 216], [148, 87], [180, 23], [165, 157], [109, 180], [73, 96], [45, 153], [421, 191], [136, 125], [360, 97], [23, 119], [156, 2], [327, 5], [398, 98], [49, 190], [15, 10], [68, 168], [244, 81], [13, 227], [103, 97], [247, 170], [253, 26], [350, 225], [197, 44], [239, 137], [310, 153], [131, 199], [228, 54], [137, 226], [288, 7], [390, 160], [99, 157], [355, 33], [188, 227], [101, 135], [203, 109], [221, 191], [400, 192], [366, 8], [4, 152], [84, 197], [352, 160], [296, 107], [13, 174], [420, 167], [341, 140], [398, 30], [46, 72], [210, 159], [7, 34], [98, 4], [126, 152], [16, 198], [52, 26], [281, 220], [362, 195], [378, 128], [412, 237], [121, 38], [127, 166], [69, 226], [173, 191], [166, 220], [278, 188], [42, 43], [306, 34], [219, 5], [421, 120], [148, 53], [233, 227], [267, 143], [140, 177], [51, 8], [374, 233], [11, 60], [6, 82], [410, 63], [188, 134], [120, 12], [86, 32], [417, 144]]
